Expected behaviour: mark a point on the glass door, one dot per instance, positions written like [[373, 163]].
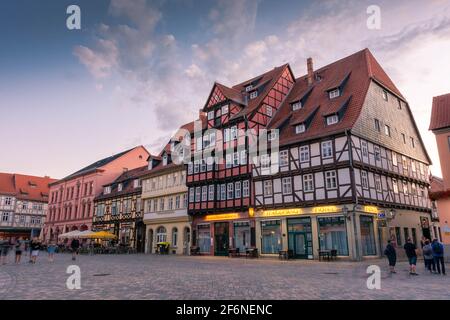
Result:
[[221, 237], [300, 238]]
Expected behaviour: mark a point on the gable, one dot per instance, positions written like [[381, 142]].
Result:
[[399, 120]]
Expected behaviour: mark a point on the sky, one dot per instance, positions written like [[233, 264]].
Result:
[[137, 70]]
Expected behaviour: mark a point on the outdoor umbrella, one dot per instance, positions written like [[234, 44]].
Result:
[[70, 234], [101, 235], [85, 234]]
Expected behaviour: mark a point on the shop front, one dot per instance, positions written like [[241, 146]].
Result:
[[216, 234], [176, 232], [306, 232]]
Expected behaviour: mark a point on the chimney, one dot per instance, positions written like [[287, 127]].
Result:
[[309, 65]]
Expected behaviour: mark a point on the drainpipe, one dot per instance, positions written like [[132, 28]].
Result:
[[356, 254]]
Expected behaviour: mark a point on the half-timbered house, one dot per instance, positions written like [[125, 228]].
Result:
[[353, 170], [220, 187], [118, 209]]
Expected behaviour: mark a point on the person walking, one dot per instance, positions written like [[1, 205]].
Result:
[[438, 254], [20, 248], [5, 246], [75, 245], [35, 246], [411, 253], [391, 254], [427, 251], [51, 248]]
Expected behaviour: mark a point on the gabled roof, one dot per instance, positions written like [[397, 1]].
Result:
[[265, 82], [98, 164], [238, 93], [25, 187], [357, 71], [127, 179], [440, 112]]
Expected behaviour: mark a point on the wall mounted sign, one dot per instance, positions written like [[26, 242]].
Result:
[[222, 216]]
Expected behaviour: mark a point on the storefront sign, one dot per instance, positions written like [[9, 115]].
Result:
[[280, 212], [222, 216], [370, 209], [326, 209]]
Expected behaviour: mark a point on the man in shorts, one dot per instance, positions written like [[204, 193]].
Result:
[[411, 253], [35, 246]]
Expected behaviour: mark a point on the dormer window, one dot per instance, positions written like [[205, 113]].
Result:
[[269, 111], [253, 94], [332, 119], [300, 128], [120, 187], [136, 183], [296, 105], [107, 190], [165, 160], [248, 88], [334, 93]]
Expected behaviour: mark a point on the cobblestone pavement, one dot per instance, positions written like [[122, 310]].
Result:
[[180, 277]]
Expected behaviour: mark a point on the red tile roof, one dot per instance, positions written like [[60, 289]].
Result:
[[238, 94], [25, 187], [360, 68], [437, 189], [7, 184], [127, 179], [440, 113], [267, 81]]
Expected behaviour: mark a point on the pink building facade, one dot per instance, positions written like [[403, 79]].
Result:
[[71, 199], [440, 188]]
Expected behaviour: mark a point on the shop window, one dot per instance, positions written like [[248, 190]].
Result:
[[367, 236], [204, 238], [161, 235], [271, 237], [242, 236], [333, 234]]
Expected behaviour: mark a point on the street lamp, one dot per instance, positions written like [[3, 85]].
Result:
[[345, 212], [392, 214]]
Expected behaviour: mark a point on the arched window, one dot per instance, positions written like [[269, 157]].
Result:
[[174, 237], [161, 235]]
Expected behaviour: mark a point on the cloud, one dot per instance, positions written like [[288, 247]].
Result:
[[154, 71], [99, 62]]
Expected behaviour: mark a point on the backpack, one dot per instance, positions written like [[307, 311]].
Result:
[[438, 249]]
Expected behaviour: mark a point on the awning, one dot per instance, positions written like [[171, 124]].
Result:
[[99, 235]]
